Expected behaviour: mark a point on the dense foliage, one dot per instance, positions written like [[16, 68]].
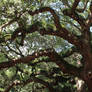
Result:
[[45, 45]]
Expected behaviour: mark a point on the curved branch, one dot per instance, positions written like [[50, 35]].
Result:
[[48, 9], [63, 33], [32, 79], [54, 57]]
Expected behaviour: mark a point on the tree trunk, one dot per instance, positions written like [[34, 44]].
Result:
[[87, 73], [89, 84]]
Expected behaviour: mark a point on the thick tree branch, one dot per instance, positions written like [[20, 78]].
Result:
[[63, 33], [48, 9], [75, 4], [64, 66], [73, 14], [54, 57]]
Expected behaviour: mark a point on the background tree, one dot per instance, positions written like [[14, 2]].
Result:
[[46, 42]]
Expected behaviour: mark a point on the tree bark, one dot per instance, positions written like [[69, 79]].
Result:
[[87, 73]]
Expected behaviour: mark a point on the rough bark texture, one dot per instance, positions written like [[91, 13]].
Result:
[[82, 44]]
